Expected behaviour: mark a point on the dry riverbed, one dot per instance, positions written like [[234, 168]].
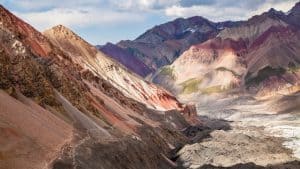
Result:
[[262, 134]]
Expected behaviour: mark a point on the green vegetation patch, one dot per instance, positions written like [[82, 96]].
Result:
[[293, 69], [168, 71], [190, 86], [262, 75], [229, 70], [213, 89]]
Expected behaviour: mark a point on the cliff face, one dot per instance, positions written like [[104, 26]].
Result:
[[260, 56], [65, 105]]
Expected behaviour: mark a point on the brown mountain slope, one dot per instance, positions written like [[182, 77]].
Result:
[[58, 113], [87, 56], [30, 136]]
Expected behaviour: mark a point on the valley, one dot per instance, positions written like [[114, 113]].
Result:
[[190, 93], [258, 134]]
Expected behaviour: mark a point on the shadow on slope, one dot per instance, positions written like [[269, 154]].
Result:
[[287, 165], [289, 103], [199, 133]]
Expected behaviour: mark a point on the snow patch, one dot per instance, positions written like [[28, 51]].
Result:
[[190, 30], [220, 28]]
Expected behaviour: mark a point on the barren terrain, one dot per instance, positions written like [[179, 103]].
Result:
[[260, 134]]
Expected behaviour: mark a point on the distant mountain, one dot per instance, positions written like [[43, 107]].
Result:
[[294, 15], [255, 26], [162, 44], [260, 55], [126, 58], [64, 104]]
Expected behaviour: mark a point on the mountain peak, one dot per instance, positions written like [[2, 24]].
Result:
[[273, 13], [296, 7], [62, 31], [272, 10], [5, 15], [2, 8], [60, 27]]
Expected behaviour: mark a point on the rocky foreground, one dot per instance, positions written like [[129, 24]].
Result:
[[250, 134]]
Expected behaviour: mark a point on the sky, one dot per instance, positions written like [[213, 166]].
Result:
[[101, 21]]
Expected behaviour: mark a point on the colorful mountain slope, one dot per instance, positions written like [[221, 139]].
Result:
[[61, 107], [162, 44], [260, 55], [126, 58], [87, 56]]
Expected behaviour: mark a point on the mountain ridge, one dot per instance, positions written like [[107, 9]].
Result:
[[104, 66], [260, 45], [163, 43]]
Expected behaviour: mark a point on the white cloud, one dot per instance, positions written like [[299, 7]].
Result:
[[85, 13], [43, 14], [217, 12], [77, 17], [280, 5], [39, 4], [143, 5], [132, 5]]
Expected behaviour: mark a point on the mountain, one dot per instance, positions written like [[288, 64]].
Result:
[[162, 44], [294, 15], [87, 56], [65, 105], [260, 55], [125, 58]]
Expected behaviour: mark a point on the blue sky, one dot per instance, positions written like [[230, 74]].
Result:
[[101, 21]]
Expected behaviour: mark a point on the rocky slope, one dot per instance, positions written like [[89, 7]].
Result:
[[261, 134], [260, 55], [61, 106], [87, 56], [162, 44]]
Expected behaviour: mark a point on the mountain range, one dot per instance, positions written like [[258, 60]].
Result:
[[198, 56], [259, 56], [164, 43], [66, 104]]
